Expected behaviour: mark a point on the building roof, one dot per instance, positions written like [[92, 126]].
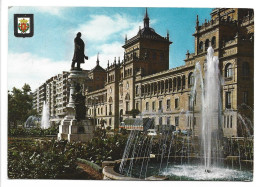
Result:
[[98, 68], [147, 32]]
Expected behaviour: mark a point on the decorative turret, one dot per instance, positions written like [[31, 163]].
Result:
[[197, 22], [168, 35], [146, 19], [125, 38]]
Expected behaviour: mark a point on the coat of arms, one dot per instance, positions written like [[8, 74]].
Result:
[[23, 25]]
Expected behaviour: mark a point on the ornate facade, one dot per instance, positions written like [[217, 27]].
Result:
[[143, 80]]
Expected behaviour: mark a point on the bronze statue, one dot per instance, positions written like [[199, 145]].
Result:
[[79, 54]]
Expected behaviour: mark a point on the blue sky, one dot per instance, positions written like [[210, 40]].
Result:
[[50, 50]]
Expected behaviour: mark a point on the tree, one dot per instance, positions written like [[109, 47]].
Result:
[[19, 105], [134, 112]]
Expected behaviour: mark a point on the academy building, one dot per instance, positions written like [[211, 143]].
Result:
[[143, 80]]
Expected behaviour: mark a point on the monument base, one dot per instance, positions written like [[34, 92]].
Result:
[[73, 130]]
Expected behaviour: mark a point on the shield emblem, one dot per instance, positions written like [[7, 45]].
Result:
[[23, 25]]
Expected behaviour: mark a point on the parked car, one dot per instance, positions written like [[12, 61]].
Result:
[[151, 132]]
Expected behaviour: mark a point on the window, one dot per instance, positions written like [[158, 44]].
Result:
[[160, 120], [168, 120], [201, 46], [213, 42], [168, 104], [245, 69], [127, 106], [147, 106], [154, 55], [190, 103], [136, 90], [230, 121], [206, 44], [160, 105], [153, 105], [245, 97], [191, 79], [176, 103], [228, 100], [228, 71], [110, 107], [227, 121], [183, 82], [176, 121], [137, 106], [161, 56]]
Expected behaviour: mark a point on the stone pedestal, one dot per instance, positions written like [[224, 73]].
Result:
[[70, 129]]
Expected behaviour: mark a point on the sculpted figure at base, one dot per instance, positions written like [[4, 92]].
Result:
[[79, 54]]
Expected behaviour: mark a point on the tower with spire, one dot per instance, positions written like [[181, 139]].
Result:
[[146, 19], [148, 50]]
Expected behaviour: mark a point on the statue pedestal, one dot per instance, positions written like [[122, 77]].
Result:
[[73, 130], [70, 129]]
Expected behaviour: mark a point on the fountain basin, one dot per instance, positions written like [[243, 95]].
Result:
[[177, 171]]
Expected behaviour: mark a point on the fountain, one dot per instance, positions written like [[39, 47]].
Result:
[[178, 155], [45, 123], [32, 122], [211, 111]]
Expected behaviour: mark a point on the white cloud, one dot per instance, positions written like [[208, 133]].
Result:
[[101, 28], [106, 52], [57, 11], [31, 69]]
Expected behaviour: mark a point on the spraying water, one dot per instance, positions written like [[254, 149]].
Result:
[[211, 110], [45, 123]]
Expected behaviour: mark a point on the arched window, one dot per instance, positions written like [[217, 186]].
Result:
[[162, 86], [110, 100], [228, 71], [174, 83], [190, 79], [170, 85], [166, 84], [201, 46], [213, 42], [136, 90], [183, 82], [245, 69], [206, 44], [179, 83], [142, 90]]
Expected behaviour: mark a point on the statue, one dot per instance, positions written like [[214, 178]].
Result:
[[80, 106], [79, 54]]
